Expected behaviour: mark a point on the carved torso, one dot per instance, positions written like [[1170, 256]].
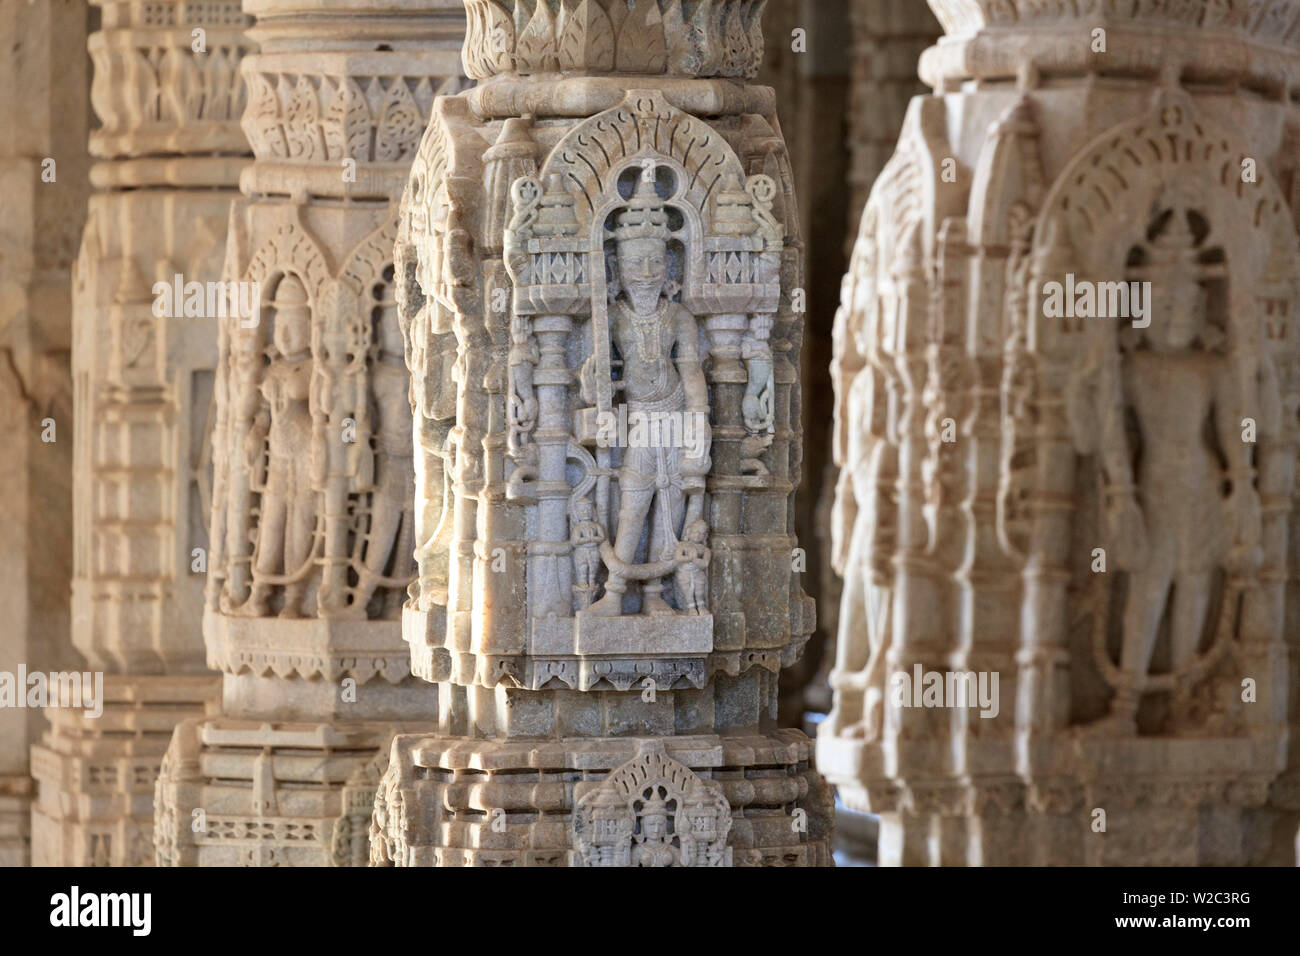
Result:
[[286, 389], [1179, 479], [646, 343]]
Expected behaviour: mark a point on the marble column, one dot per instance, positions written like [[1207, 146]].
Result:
[[45, 111], [312, 515], [595, 263], [169, 150], [888, 37], [1067, 391]]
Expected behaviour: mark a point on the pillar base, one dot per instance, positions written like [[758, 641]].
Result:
[[258, 793], [95, 775], [1095, 802], [737, 800], [15, 820]]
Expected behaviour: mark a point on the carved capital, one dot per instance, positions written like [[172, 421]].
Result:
[[658, 37]]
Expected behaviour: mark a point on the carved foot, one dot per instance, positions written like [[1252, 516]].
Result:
[[611, 605], [873, 723], [1189, 717], [257, 605], [656, 606], [1115, 725]]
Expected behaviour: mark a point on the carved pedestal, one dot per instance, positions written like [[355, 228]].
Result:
[[1067, 417], [167, 91], [97, 774], [595, 273], [312, 516], [45, 112]]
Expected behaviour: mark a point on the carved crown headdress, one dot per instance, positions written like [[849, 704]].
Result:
[[655, 806], [1173, 252], [644, 216]]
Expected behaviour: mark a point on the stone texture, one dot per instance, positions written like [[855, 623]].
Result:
[[605, 615], [312, 511], [996, 450], [45, 112], [168, 151]]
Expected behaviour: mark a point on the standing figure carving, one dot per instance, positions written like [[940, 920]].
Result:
[[283, 431], [390, 542], [658, 340], [1172, 524]]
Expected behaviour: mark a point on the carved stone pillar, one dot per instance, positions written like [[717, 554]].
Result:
[[166, 89], [311, 523], [594, 277], [45, 112], [1068, 383], [888, 39]]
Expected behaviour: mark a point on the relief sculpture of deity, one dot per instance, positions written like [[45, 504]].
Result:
[[284, 427], [660, 487], [391, 536], [1188, 513]]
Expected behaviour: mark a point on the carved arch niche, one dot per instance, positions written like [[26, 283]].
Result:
[[725, 250], [289, 269], [1166, 173]]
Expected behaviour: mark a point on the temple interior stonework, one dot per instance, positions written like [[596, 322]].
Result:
[[650, 433]]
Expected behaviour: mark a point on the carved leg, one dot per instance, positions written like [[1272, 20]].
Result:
[[634, 506], [270, 550], [880, 602], [1191, 602], [1190, 606], [665, 530], [298, 540], [404, 562], [1148, 593], [386, 514]]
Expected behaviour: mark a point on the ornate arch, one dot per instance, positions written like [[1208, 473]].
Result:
[[644, 125], [291, 250], [607, 822], [1102, 200]]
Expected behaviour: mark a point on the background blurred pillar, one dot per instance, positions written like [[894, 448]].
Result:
[[167, 92], [45, 113], [1067, 378]]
